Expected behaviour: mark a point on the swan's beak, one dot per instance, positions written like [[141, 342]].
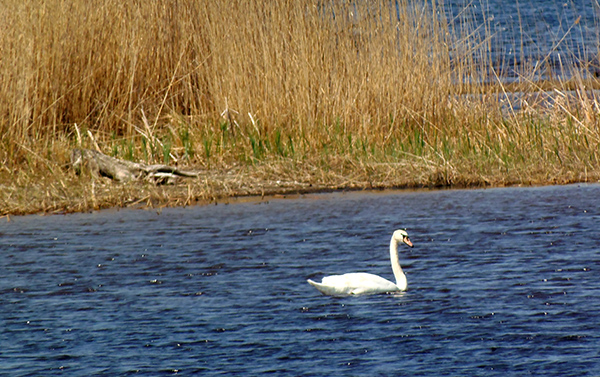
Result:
[[407, 241]]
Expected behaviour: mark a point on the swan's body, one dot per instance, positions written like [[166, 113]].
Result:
[[360, 283]]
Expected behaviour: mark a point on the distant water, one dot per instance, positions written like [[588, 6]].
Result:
[[502, 282], [550, 34]]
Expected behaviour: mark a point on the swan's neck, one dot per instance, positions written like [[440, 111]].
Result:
[[398, 273]]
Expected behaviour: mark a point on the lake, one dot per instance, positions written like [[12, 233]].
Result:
[[553, 36], [500, 282]]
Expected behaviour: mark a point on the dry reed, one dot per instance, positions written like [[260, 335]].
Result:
[[269, 97]]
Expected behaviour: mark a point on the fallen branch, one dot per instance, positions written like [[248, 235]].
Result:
[[100, 164]]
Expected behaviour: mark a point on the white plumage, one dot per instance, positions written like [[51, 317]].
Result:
[[359, 283]]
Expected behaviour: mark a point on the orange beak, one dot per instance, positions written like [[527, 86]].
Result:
[[407, 241]]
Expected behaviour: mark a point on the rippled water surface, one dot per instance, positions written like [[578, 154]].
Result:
[[548, 31], [501, 282]]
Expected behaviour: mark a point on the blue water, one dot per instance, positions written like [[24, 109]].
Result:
[[501, 282], [533, 26], [551, 35]]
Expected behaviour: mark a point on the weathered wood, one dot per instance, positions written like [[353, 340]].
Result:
[[100, 164]]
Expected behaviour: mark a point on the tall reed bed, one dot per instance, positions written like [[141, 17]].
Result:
[[350, 88], [287, 68]]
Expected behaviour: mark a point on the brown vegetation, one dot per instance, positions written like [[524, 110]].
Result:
[[270, 97]]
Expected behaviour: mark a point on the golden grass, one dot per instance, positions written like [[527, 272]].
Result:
[[269, 97]]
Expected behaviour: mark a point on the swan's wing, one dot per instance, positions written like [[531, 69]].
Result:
[[354, 284], [364, 283]]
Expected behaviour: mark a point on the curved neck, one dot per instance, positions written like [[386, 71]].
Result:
[[398, 273]]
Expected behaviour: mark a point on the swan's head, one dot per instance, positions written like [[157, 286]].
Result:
[[401, 236]]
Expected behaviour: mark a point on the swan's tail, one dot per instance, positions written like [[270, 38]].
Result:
[[324, 289], [319, 286]]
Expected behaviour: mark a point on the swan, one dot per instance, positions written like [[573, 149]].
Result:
[[361, 283]]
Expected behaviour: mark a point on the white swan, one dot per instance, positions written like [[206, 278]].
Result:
[[360, 283]]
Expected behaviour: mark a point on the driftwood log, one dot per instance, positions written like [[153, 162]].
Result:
[[99, 164]]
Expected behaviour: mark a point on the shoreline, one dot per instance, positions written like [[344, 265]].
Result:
[[74, 194]]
